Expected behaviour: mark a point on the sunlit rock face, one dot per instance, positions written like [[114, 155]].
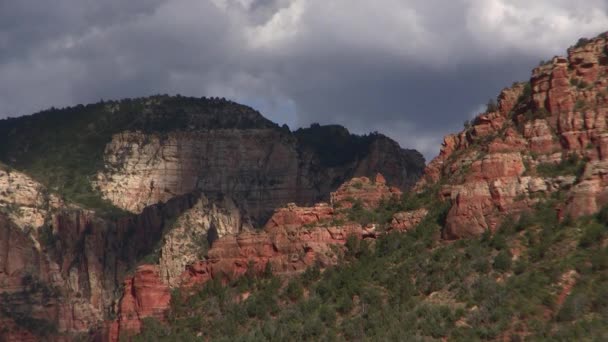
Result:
[[497, 166]]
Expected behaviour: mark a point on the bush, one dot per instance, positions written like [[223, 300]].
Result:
[[573, 308], [582, 42], [46, 236], [502, 261], [572, 165], [602, 215], [294, 290], [580, 105], [491, 106], [592, 234]]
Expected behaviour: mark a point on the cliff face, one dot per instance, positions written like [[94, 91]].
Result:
[[62, 266], [261, 169], [294, 239], [144, 151], [544, 136]]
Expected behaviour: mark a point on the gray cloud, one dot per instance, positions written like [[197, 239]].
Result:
[[414, 70]]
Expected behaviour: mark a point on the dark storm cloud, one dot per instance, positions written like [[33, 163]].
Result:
[[414, 70]]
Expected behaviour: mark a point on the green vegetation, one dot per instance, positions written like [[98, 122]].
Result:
[[334, 144], [491, 106], [580, 84], [524, 99], [388, 207], [582, 42], [572, 165], [580, 104], [46, 237], [541, 113], [414, 287], [526, 93], [17, 306]]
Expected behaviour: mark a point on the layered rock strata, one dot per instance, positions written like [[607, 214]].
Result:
[[261, 169], [294, 239], [534, 144]]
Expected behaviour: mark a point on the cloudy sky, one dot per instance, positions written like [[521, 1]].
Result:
[[412, 69]]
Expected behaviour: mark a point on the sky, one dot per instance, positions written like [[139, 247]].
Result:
[[414, 70]]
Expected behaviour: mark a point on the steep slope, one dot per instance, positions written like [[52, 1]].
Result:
[[62, 266], [139, 152], [535, 279], [544, 136]]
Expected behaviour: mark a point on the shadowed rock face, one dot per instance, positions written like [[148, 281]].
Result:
[[148, 150], [62, 267], [260, 168], [498, 166]]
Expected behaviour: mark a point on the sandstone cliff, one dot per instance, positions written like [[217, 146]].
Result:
[[544, 136], [139, 152], [294, 239], [260, 168], [62, 266]]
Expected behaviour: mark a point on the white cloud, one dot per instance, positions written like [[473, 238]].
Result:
[[284, 25], [534, 27]]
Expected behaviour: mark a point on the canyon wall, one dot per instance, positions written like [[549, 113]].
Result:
[[545, 136], [261, 169]]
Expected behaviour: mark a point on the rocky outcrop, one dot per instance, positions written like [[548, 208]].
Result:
[[158, 155], [293, 239], [60, 270], [283, 250], [189, 237], [259, 166], [261, 169], [406, 220], [35, 299], [364, 191], [590, 194], [26, 202], [511, 158], [294, 216], [145, 295]]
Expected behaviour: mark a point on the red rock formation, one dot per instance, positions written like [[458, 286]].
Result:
[[404, 221], [11, 332], [363, 190], [293, 239], [293, 215], [145, 295], [288, 250], [509, 97], [490, 169]]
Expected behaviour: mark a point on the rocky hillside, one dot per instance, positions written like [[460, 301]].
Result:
[[545, 137], [136, 153], [90, 193], [506, 238]]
